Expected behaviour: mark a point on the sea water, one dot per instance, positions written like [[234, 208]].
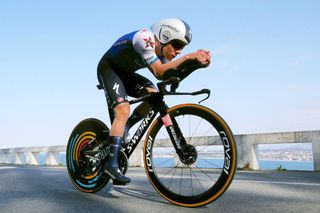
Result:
[[212, 163]]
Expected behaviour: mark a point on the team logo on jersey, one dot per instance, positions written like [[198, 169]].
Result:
[[120, 100], [149, 42]]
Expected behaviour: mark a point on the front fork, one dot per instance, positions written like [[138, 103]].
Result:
[[177, 138]]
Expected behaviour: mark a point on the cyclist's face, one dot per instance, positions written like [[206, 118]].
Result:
[[171, 50]]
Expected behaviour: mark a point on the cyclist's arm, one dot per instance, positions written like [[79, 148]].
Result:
[[158, 68]]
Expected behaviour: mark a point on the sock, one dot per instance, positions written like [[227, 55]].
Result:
[[115, 145]]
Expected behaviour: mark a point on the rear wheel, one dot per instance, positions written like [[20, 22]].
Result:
[[84, 168], [209, 167]]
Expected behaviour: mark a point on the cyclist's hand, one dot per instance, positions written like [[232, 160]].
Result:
[[202, 56]]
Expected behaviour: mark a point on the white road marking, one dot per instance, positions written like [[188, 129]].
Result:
[[7, 167], [278, 182]]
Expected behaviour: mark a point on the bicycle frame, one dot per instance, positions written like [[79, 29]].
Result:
[[158, 105], [143, 127]]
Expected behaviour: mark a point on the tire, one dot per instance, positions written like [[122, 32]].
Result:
[[212, 145], [85, 177]]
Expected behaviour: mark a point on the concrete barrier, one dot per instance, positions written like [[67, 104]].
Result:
[[247, 146], [30, 155]]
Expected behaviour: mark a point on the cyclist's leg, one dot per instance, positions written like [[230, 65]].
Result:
[[117, 100], [121, 112]]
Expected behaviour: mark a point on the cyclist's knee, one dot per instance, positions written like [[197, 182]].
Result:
[[122, 111]]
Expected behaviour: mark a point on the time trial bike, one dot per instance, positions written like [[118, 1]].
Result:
[[189, 151]]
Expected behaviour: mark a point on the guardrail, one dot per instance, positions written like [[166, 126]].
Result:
[[30, 155], [248, 145], [247, 149]]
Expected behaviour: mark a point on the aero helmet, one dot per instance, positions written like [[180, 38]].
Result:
[[171, 29]]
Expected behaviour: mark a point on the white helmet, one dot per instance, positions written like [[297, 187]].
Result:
[[172, 29]]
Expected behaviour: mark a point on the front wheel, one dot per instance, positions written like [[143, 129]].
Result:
[[212, 152]]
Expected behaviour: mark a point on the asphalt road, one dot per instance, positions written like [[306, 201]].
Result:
[[48, 189]]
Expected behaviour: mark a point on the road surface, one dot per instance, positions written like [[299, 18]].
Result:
[[48, 189]]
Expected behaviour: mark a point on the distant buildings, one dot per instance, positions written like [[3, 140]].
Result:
[[286, 155]]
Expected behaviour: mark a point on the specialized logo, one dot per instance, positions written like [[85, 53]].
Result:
[[149, 42], [175, 137], [116, 88]]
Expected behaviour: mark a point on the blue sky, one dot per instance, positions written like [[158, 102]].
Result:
[[264, 76]]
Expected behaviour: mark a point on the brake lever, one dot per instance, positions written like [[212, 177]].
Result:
[[204, 99]]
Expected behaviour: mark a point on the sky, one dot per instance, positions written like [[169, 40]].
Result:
[[264, 76]]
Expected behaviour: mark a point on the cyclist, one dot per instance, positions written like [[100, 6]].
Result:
[[153, 49]]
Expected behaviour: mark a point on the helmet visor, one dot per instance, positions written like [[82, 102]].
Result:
[[178, 45]]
